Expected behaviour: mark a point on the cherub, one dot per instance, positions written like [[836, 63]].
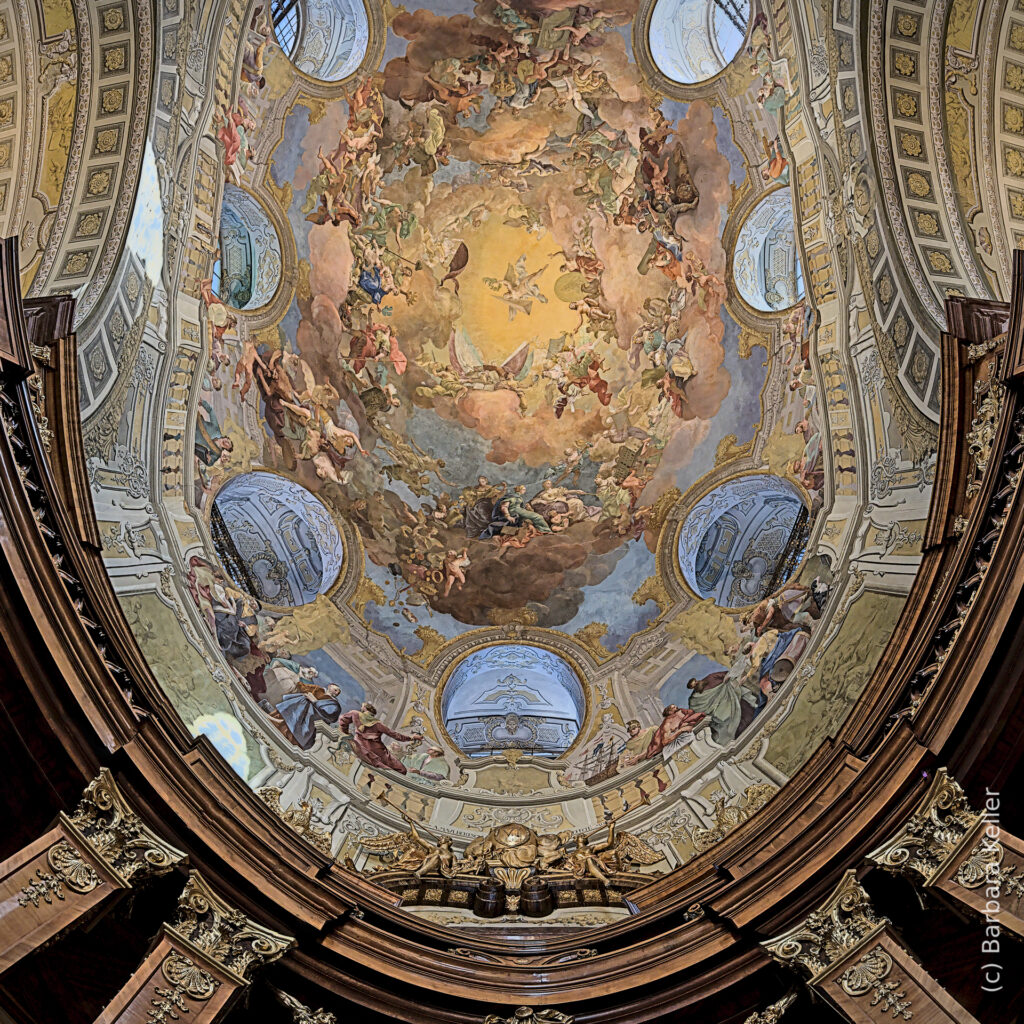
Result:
[[454, 565], [247, 361]]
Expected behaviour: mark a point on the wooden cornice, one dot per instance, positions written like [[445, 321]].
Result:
[[77, 656]]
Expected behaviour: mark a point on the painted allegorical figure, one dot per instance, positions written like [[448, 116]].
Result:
[[367, 733], [297, 713]]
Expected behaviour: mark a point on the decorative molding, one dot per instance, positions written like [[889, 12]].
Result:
[[839, 927], [299, 818], [868, 975], [933, 835], [116, 834], [527, 1015], [219, 932], [188, 977], [68, 868]]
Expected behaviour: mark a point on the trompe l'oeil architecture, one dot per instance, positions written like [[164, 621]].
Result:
[[509, 511]]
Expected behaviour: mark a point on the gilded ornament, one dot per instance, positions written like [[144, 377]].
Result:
[[1014, 161], [901, 330], [1017, 205], [214, 929], [46, 887], [114, 59], [726, 817], [906, 104], [906, 25], [113, 19], [872, 244], [527, 1015], [1014, 77], [988, 401], [773, 1014], [840, 926], [76, 263], [1016, 37], [99, 183], [885, 291], [6, 69], [116, 834], [106, 140], [166, 1005], [849, 98], [868, 975], [89, 224], [302, 1014], [940, 262], [113, 100], [589, 637], [919, 185], [911, 144], [188, 977], [653, 589], [298, 818], [984, 866], [933, 835], [1013, 119], [927, 224], [905, 65]]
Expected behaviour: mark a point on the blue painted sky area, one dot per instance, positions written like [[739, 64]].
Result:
[[146, 232], [741, 411], [611, 601], [697, 666]]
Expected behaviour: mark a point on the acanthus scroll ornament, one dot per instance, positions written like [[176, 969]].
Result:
[[213, 929], [772, 1014], [841, 925], [934, 833], [117, 835]]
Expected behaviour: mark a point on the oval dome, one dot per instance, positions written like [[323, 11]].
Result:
[[513, 696], [766, 266], [275, 539], [743, 540], [694, 40]]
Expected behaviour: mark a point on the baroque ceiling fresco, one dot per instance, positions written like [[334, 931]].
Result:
[[512, 423]]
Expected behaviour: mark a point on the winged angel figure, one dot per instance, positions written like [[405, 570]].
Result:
[[518, 289]]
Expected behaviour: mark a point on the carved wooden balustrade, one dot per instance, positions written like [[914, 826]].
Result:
[[946, 693]]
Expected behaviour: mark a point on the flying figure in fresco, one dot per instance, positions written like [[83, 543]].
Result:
[[518, 289]]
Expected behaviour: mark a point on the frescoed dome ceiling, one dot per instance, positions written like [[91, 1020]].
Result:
[[506, 383]]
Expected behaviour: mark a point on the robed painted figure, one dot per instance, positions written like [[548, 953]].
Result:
[[297, 713], [367, 733]]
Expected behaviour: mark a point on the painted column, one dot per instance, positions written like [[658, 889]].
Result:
[[82, 862], [855, 961], [945, 845], [201, 963]]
